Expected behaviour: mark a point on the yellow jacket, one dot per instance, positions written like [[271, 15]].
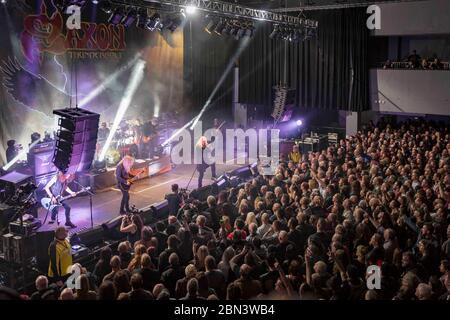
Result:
[[295, 157], [60, 253]]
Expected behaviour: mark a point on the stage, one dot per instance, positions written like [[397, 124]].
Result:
[[143, 193]]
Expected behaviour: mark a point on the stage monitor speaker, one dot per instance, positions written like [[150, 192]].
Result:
[[242, 173], [202, 193], [6, 214], [75, 140], [147, 215], [222, 183], [11, 182], [7, 246], [43, 240], [89, 236], [254, 169], [111, 229], [160, 210]]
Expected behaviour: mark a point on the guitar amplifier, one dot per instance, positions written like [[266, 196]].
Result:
[[6, 246], [23, 248], [40, 158], [6, 214], [26, 229]]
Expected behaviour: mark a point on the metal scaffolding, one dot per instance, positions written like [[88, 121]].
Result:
[[221, 8]]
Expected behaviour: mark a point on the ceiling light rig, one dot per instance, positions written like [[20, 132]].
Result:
[[294, 35], [237, 29], [221, 18]]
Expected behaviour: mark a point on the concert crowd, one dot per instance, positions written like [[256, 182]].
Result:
[[380, 197]]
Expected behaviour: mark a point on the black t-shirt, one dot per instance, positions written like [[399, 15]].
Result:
[[140, 294], [174, 202], [150, 278], [11, 153]]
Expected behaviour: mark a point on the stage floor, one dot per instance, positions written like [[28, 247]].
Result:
[[143, 193]]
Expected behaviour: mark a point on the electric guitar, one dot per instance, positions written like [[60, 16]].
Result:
[[48, 205], [130, 181]]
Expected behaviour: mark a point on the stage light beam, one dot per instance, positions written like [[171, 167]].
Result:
[[229, 67], [102, 86], [299, 123], [21, 154], [135, 80]]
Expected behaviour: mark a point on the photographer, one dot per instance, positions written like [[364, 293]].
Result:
[[132, 225], [174, 200], [13, 150]]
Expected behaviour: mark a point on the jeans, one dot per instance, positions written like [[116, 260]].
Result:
[[125, 203], [66, 211], [201, 173]]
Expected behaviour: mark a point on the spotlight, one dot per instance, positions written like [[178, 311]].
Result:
[[3, 1], [234, 29], [211, 26], [174, 23], [130, 18], [99, 166], [94, 1], [219, 28], [227, 29], [250, 31], [117, 16], [310, 33], [153, 22], [240, 33], [142, 19], [299, 123], [191, 9], [106, 7], [274, 33]]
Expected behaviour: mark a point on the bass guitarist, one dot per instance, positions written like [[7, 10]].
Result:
[[124, 179], [55, 188]]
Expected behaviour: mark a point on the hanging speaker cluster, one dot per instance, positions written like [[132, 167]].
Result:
[[76, 139], [283, 96]]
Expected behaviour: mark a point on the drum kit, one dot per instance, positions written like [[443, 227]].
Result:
[[125, 141], [128, 137]]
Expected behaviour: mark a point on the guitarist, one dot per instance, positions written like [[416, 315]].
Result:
[[55, 188], [123, 177]]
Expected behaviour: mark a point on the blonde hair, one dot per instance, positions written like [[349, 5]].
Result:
[[203, 140], [202, 253], [251, 218], [127, 163]]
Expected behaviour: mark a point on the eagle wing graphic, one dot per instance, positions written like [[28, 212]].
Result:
[[32, 90]]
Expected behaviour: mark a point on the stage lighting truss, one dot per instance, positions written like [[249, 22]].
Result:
[[229, 27], [224, 18], [153, 19], [294, 35]]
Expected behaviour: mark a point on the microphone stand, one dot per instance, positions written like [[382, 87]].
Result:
[[90, 193]]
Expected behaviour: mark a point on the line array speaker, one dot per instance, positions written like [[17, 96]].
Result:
[[76, 139]]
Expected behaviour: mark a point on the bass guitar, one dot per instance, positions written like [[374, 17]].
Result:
[[48, 205]]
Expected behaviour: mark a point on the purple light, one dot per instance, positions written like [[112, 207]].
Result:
[[299, 123]]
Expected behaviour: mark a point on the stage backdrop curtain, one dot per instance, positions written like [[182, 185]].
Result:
[[327, 72], [206, 57]]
